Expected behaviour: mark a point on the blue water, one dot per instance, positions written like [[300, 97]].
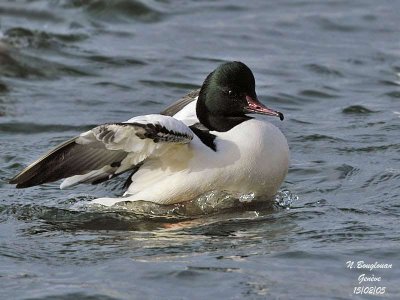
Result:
[[333, 69]]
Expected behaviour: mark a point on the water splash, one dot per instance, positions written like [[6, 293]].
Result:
[[77, 212], [208, 203], [212, 202], [285, 198], [247, 198]]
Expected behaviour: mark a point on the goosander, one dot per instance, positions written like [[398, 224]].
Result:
[[205, 141]]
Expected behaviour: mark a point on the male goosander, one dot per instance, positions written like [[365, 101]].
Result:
[[205, 141]]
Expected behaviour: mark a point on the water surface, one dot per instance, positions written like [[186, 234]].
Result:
[[331, 66]]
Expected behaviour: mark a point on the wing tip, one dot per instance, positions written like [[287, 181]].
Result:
[[20, 184], [14, 180], [28, 177]]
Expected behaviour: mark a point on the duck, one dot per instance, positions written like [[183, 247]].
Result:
[[209, 140]]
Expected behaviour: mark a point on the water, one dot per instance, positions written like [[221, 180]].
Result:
[[332, 67]]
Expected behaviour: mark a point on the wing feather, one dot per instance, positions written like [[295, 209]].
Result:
[[181, 103], [67, 159], [105, 151]]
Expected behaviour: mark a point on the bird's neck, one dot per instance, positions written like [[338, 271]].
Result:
[[216, 122]]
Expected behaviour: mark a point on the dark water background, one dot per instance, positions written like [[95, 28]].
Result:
[[333, 68]]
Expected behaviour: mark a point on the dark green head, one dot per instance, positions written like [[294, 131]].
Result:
[[227, 96]]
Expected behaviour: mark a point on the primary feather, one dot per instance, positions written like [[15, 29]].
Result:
[[106, 151]]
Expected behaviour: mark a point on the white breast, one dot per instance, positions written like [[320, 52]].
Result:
[[264, 157], [251, 157]]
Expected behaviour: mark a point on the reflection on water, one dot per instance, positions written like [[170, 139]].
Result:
[[331, 66]]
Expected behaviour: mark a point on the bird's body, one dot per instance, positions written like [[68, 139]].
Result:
[[196, 146], [186, 171]]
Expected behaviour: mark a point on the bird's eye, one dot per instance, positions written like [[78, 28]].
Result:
[[230, 93]]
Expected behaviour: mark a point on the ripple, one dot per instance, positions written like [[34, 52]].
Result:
[[371, 149], [317, 94], [355, 61], [330, 25], [323, 70], [301, 122], [29, 128], [345, 234], [21, 65], [283, 98], [18, 62], [20, 37], [179, 85], [319, 137], [117, 61], [390, 127], [357, 109], [353, 210], [394, 94], [119, 10], [12, 68], [73, 296], [213, 269], [32, 14], [113, 84], [381, 177], [205, 59], [390, 83], [346, 171], [64, 219]]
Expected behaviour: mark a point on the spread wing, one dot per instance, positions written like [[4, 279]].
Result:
[[106, 151]]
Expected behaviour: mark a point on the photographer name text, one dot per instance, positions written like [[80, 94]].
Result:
[[368, 283]]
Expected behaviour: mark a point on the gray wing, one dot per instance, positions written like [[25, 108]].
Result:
[[68, 159], [105, 151], [181, 103]]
